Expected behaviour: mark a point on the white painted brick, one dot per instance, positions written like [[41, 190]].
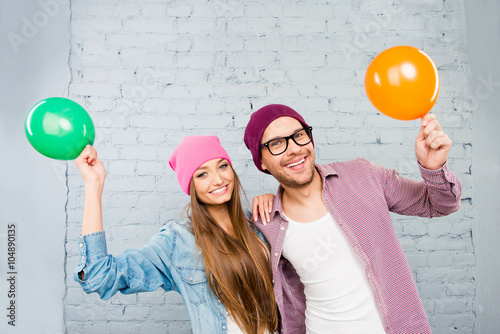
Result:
[[156, 327], [95, 28], [124, 299], [120, 200], [200, 91], [450, 305], [140, 91], [127, 10], [207, 122], [295, 43], [304, 59], [164, 26], [95, 74], [423, 6], [100, 9], [227, 9], [94, 46], [262, 44], [180, 11], [152, 137], [179, 327], [95, 89], [138, 152], [153, 10], [432, 290], [338, 137], [193, 27], [417, 259], [123, 327], [195, 61], [415, 228], [77, 61], [149, 168], [109, 120], [321, 45], [175, 312], [272, 75], [257, 10], [134, 57], [155, 121], [139, 40], [441, 243], [295, 9], [254, 26], [321, 11], [304, 26], [120, 168], [343, 11], [236, 90], [128, 136]]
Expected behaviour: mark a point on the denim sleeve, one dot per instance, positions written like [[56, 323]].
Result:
[[133, 271]]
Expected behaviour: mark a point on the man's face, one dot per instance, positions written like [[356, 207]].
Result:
[[295, 167]]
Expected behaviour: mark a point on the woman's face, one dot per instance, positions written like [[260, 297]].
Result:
[[214, 182]]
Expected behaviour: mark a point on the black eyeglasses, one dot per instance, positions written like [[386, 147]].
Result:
[[279, 145]]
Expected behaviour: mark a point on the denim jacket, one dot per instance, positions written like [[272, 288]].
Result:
[[171, 261]]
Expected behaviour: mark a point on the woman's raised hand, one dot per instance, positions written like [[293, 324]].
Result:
[[262, 205], [91, 167]]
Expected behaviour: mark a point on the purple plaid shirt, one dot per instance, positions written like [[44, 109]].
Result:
[[359, 195]]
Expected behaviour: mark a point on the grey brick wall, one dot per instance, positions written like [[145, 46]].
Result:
[[152, 72]]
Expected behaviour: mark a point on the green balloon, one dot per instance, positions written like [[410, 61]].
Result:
[[59, 128]]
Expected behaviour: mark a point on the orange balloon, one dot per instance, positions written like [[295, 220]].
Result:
[[402, 82]]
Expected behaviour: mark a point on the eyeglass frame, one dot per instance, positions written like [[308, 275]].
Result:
[[308, 130]]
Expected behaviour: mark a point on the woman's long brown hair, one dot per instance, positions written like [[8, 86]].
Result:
[[237, 268]]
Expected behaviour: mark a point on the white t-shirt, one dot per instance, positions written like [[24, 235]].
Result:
[[232, 326], [338, 296]]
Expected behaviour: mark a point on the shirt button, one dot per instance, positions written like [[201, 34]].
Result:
[[282, 228], [276, 254], [273, 281], [81, 245], [223, 327], [191, 279]]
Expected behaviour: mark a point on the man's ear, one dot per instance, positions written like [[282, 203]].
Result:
[[262, 165]]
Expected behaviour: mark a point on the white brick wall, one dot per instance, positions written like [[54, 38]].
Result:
[[151, 72]]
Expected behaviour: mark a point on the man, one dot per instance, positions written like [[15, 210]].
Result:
[[336, 260]]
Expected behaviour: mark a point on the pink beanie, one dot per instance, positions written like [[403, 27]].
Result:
[[192, 152]]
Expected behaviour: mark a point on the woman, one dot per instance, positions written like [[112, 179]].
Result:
[[215, 259]]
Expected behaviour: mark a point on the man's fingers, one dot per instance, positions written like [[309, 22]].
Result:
[[437, 140], [432, 126], [427, 118]]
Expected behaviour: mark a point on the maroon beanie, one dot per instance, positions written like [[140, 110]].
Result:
[[258, 123]]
